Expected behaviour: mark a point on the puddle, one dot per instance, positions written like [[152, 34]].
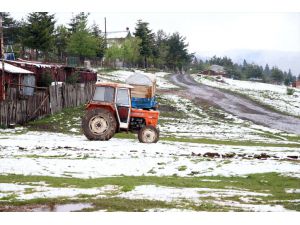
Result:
[[63, 207]]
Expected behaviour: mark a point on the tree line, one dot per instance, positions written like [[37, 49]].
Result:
[[37, 37], [246, 71]]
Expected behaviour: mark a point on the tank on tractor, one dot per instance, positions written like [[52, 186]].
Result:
[[110, 111], [143, 93]]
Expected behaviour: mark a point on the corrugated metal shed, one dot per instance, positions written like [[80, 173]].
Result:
[[13, 69]]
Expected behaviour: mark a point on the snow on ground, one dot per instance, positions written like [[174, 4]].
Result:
[[212, 123], [268, 94], [27, 192], [52, 154], [170, 194]]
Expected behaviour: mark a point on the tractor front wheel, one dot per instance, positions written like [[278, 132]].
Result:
[[99, 124], [148, 134]]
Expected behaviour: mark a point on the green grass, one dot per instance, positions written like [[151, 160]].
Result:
[[229, 142], [270, 183], [61, 122]]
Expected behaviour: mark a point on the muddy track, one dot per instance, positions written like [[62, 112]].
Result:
[[236, 105]]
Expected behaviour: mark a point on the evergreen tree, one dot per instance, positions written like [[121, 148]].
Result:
[[96, 32], [146, 36], [61, 40], [245, 64], [79, 19], [277, 75], [39, 32], [9, 25], [178, 55]]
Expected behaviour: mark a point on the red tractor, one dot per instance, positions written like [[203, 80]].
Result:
[[110, 112]]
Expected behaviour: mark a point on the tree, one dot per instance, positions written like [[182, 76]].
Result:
[[96, 32], [82, 43], [39, 32], [178, 55], [253, 71], [130, 50], [79, 19], [299, 76], [277, 75], [143, 32], [160, 49], [61, 40], [113, 53], [9, 33]]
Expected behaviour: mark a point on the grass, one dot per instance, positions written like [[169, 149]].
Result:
[[61, 122], [269, 183], [229, 142]]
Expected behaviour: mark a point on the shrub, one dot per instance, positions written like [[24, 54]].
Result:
[[46, 80], [290, 91], [73, 79]]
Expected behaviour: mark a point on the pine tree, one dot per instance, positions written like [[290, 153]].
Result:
[[61, 40], [178, 56], [80, 18], [277, 75], [10, 30], [39, 32], [146, 36], [96, 32]]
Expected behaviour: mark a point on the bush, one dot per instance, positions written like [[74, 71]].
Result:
[[46, 80], [73, 79], [290, 91]]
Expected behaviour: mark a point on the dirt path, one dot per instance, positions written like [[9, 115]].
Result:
[[236, 105]]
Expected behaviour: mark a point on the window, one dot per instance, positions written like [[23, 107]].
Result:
[[104, 94], [123, 97]]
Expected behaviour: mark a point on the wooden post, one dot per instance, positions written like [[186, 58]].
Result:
[[2, 57]]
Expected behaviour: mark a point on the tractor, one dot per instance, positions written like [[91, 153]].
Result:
[[110, 111]]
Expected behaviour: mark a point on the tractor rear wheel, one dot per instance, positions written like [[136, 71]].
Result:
[[99, 124], [148, 134]]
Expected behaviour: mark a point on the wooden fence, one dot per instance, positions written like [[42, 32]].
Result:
[[16, 110]]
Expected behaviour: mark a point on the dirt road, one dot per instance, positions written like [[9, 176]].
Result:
[[236, 105]]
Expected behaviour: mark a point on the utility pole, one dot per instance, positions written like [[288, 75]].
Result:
[[2, 58], [105, 33]]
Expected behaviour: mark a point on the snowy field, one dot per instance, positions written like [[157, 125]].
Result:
[[274, 96], [253, 168], [121, 76], [73, 156], [50, 154], [199, 122]]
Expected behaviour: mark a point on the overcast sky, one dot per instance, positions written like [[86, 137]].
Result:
[[210, 32]]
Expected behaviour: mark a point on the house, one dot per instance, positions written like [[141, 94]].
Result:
[[117, 37], [214, 70], [296, 84], [21, 79]]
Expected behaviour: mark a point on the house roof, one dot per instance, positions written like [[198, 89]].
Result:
[[217, 68], [14, 69], [117, 35]]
